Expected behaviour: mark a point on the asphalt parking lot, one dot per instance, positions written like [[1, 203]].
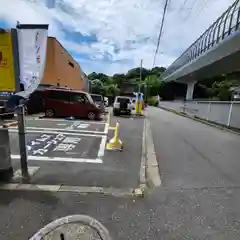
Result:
[[72, 153]]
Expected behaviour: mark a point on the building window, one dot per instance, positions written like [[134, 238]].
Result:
[[71, 64]]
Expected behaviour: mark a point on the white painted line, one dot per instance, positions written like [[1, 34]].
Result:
[[117, 192], [31, 172], [142, 172], [59, 159], [58, 132], [153, 170], [106, 128], [59, 129], [102, 147], [70, 121], [36, 187]]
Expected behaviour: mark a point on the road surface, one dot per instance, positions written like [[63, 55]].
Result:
[[199, 197], [192, 154]]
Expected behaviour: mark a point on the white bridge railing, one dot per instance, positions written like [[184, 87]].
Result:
[[225, 113]]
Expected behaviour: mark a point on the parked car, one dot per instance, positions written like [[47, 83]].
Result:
[[35, 103], [133, 103], [98, 100], [106, 101], [63, 102], [122, 105]]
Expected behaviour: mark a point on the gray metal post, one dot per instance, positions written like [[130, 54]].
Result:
[[22, 141], [208, 111], [20, 109], [230, 114]]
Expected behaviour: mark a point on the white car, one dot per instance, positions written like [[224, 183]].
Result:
[[133, 104], [122, 104], [106, 101]]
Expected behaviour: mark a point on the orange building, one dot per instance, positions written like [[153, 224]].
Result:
[[61, 70]]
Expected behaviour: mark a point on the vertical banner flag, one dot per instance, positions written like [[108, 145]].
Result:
[[32, 47]]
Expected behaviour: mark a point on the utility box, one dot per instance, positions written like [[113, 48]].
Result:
[[6, 170]]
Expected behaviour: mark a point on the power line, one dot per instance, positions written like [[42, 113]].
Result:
[[203, 6], [161, 31], [190, 10], [182, 6]]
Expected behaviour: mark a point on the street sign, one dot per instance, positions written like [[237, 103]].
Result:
[[7, 77]]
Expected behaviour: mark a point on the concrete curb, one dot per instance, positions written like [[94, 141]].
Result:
[[149, 170], [140, 190], [152, 169], [201, 121]]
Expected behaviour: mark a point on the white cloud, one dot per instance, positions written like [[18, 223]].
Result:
[[131, 27]]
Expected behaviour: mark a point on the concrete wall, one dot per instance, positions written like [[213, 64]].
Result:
[[225, 113], [61, 68]]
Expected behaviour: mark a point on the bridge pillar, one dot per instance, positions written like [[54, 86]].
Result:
[[190, 90]]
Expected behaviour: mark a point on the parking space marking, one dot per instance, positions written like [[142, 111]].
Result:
[[59, 159], [73, 121], [102, 147], [106, 128], [76, 189], [14, 130], [58, 129]]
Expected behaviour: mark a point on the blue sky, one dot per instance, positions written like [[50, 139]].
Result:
[[112, 36]]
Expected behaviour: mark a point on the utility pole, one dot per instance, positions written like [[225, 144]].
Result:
[[139, 88]]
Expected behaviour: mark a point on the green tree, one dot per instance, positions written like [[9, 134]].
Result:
[[135, 73], [111, 90], [157, 71], [118, 79], [153, 83], [102, 77], [221, 90]]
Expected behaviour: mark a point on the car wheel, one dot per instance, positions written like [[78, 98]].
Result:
[[49, 113], [115, 113], [91, 116]]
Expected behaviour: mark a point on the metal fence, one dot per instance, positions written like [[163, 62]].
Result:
[[227, 24], [224, 113]]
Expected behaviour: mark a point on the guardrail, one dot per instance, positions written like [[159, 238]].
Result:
[[227, 24], [224, 113]]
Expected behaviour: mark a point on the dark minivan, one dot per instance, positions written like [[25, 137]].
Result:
[[62, 102]]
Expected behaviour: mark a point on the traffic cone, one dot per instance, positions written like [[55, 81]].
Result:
[[115, 143]]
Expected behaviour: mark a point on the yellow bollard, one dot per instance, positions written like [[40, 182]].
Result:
[[115, 143], [141, 108], [137, 108]]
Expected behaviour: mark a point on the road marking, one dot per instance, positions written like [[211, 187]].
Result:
[[117, 192], [59, 159], [70, 121], [143, 163], [61, 124], [106, 128], [57, 132], [59, 129], [102, 147], [152, 164]]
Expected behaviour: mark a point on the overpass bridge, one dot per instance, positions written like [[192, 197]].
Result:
[[215, 52]]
